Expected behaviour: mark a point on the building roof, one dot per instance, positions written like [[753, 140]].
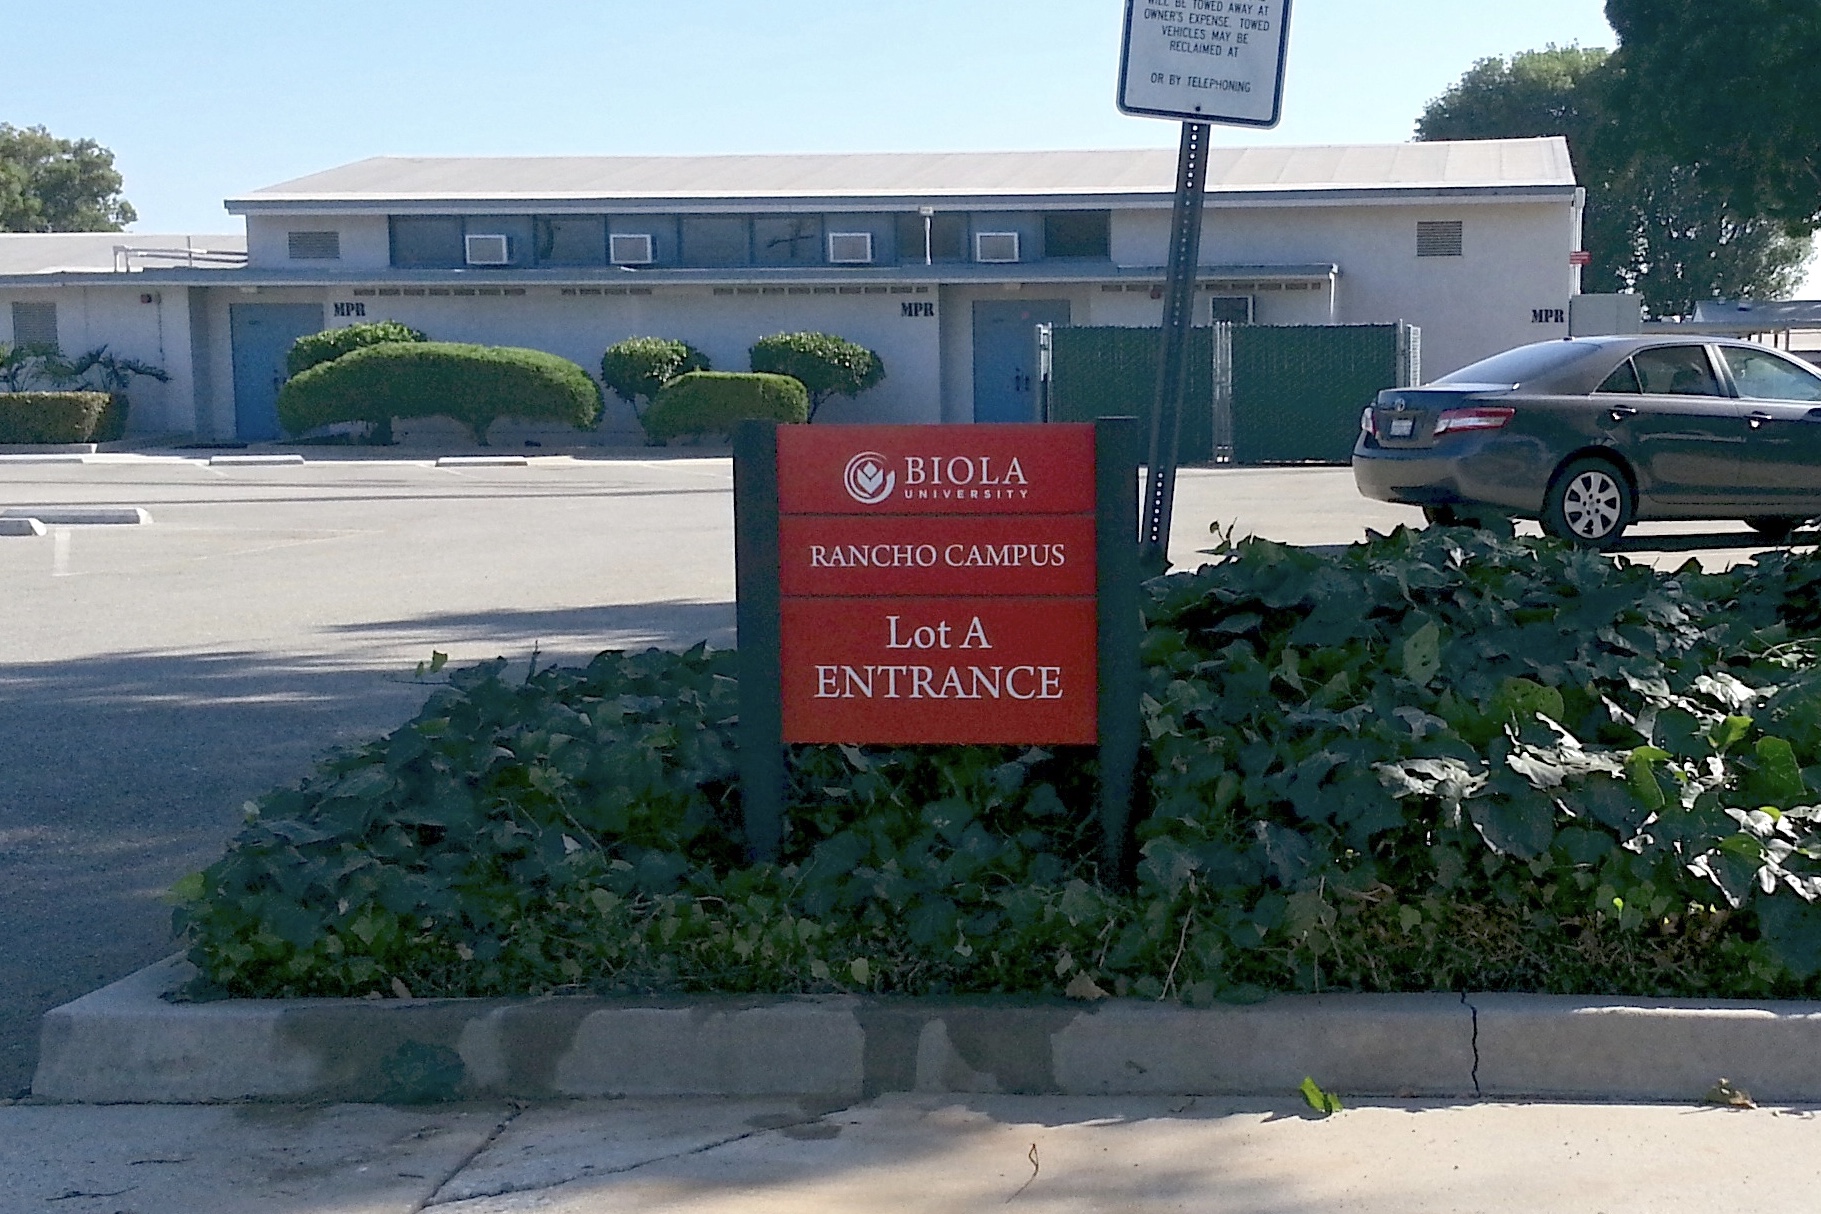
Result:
[[90, 252], [909, 176], [1760, 315]]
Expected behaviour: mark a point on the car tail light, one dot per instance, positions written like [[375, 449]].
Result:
[[1481, 417], [1365, 420]]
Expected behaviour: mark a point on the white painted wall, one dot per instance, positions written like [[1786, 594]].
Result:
[[366, 241], [1514, 261], [122, 319]]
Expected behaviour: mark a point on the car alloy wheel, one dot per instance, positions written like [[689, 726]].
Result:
[[1589, 503]]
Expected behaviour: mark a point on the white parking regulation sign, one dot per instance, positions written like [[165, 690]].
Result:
[[1205, 60]]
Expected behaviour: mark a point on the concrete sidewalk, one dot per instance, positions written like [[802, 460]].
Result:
[[907, 1153]]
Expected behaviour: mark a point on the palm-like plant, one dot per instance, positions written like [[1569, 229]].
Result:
[[22, 366], [98, 371]]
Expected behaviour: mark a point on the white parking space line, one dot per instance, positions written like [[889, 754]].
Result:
[[60, 552]]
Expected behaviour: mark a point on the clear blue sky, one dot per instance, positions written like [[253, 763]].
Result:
[[200, 99]]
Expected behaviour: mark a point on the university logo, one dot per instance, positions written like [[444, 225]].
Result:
[[867, 480]]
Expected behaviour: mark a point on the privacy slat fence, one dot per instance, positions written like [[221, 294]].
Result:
[[1257, 394]]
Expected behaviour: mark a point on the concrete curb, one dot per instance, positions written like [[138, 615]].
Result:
[[80, 516], [63, 449], [483, 461], [21, 526], [127, 1043], [252, 461]]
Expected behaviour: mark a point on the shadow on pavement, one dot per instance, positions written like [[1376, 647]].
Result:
[[121, 772]]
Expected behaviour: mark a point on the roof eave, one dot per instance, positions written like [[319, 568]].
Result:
[[408, 204], [961, 274]]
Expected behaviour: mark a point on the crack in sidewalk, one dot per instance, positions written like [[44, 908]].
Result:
[[1475, 1013], [513, 1110], [506, 1190]]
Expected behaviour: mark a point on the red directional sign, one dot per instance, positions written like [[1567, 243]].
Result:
[[909, 670], [834, 554], [978, 469], [938, 584]]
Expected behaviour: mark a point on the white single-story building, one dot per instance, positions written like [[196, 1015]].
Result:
[[940, 263]]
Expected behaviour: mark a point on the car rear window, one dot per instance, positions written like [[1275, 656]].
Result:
[[1521, 365]]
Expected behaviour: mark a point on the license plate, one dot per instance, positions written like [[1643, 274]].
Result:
[[1403, 427]]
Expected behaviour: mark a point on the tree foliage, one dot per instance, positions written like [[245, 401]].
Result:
[[316, 348], [49, 184], [1651, 225], [639, 367], [1732, 91], [824, 364]]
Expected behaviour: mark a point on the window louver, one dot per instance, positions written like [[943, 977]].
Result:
[[314, 246], [1438, 238], [34, 324]]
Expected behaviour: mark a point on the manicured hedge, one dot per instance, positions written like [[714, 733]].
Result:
[[331, 344], [474, 385], [61, 417], [639, 367], [712, 402], [826, 365]]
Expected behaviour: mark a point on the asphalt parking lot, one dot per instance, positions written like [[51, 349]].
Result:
[[154, 678]]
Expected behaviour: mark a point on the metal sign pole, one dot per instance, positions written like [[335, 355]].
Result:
[[1172, 360], [1221, 63]]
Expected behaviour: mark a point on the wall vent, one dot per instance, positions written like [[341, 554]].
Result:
[[630, 249], [996, 247], [314, 246], [850, 248], [1438, 238], [489, 249], [34, 324]]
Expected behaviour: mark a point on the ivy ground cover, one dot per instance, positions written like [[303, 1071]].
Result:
[[1444, 759]]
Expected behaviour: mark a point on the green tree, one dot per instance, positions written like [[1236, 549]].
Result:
[[1649, 226], [640, 366], [824, 364], [49, 184], [1733, 91]]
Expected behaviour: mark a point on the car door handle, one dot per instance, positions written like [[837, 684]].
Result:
[[1757, 418], [1621, 412]]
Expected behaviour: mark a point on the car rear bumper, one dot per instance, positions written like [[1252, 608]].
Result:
[[1498, 470]]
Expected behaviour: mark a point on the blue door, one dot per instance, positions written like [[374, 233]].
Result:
[[1005, 355], [262, 335]]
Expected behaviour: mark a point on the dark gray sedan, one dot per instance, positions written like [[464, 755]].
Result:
[[1591, 434]]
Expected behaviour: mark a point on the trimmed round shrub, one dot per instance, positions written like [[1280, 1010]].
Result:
[[61, 417], [639, 367], [824, 364], [474, 385], [713, 402], [111, 427], [331, 344]]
